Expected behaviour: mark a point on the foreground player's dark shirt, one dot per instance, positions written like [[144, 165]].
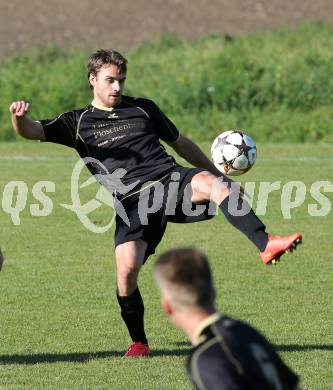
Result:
[[126, 137], [234, 356]]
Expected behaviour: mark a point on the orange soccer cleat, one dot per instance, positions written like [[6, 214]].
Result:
[[278, 245], [137, 349]]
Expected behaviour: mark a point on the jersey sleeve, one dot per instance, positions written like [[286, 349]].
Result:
[[61, 130], [164, 128]]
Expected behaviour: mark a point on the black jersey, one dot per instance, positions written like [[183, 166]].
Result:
[[126, 137], [234, 356]]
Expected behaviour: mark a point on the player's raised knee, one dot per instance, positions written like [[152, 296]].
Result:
[[207, 186]]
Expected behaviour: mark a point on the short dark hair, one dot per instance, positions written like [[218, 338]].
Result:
[[106, 57], [185, 276]]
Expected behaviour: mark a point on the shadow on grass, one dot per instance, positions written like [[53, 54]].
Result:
[[79, 356], [183, 344], [86, 356], [299, 348]]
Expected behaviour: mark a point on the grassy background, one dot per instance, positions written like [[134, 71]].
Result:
[[276, 85], [60, 326]]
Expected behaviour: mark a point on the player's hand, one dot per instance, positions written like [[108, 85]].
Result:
[[19, 109]]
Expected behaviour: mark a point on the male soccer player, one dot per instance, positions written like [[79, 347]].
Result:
[[227, 354], [123, 135]]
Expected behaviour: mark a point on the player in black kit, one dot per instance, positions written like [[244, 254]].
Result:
[[227, 354], [121, 136]]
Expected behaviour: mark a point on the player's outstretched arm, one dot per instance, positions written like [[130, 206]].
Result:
[[193, 154], [22, 124]]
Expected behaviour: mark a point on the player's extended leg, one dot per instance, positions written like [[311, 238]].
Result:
[[129, 259], [206, 186]]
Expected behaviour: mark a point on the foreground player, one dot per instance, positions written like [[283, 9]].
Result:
[[124, 133], [227, 354]]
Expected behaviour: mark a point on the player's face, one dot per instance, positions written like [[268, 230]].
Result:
[[108, 85]]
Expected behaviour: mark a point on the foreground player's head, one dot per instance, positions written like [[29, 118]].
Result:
[[185, 280], [106, 71]]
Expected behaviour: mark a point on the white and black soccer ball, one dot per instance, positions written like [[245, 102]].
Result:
[[233, 152]]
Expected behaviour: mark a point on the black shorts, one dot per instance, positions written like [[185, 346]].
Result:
[[145, 214]]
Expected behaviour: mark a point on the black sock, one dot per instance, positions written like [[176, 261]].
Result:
[[132, 311], [239, 213]]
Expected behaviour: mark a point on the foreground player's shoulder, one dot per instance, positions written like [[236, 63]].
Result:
[[210, 367], [237, 334], [251, 352]]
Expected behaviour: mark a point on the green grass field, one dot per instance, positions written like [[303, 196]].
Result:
[[60, 326], [275, 84]]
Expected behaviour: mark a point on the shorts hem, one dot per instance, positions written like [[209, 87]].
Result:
[[133, 237]]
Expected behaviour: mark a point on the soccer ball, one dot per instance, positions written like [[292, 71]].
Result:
[[233, 152]]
